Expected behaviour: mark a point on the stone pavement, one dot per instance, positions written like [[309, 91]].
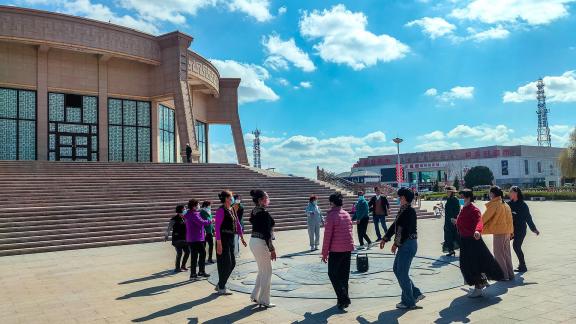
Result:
[[125, 284]]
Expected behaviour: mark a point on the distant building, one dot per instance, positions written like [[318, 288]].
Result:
[[517, 165], [360, 176]]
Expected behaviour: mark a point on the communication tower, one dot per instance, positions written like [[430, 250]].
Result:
[[542, 112], [256, 148]]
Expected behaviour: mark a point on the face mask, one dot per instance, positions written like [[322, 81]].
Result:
[[233, 201]]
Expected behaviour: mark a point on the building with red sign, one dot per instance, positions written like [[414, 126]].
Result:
[[517, 165]]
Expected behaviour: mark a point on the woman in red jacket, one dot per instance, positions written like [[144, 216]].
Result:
[[476, 262]]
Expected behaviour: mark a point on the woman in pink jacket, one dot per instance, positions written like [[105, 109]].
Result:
[[337, 248]]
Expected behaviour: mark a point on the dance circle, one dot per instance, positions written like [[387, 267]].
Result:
[[303, 275]]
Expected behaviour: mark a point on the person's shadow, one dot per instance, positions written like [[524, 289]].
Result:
[[320, 317], [152, 291], [176, 309], [153, 276], [233, 317], [388, 317], [462, 307]]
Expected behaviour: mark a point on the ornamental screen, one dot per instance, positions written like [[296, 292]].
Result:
[[166, 137], [72, 127], [17, 124], [201, 141], [129, 136]]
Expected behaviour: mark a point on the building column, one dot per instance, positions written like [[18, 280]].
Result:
[[185, 121], [103, 107], [238, 138], [42, 104], [207, 138], [154, 130]]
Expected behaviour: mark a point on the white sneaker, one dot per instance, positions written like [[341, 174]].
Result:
[[268, 305], [224, 292], [475, 293], [419, 298]]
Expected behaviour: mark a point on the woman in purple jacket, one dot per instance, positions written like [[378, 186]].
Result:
[[195, 238]]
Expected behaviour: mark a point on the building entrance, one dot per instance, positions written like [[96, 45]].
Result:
[[73, 147]]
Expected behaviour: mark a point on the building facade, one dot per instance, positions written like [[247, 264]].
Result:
[[78, 89], [516, 165]]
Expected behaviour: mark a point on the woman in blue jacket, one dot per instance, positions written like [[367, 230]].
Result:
[[362, 219]]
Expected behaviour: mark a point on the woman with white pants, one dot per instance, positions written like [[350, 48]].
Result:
[[262, 247]]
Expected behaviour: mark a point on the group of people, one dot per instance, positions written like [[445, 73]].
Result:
[[195, 228], [506, 221]]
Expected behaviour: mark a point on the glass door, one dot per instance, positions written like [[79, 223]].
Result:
[[73, 147]]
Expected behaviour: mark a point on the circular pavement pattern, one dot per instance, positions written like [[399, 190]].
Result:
[[303, 275]]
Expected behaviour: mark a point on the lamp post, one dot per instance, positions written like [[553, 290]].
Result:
[[398, 140]]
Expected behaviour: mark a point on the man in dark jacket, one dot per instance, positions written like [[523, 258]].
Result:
[[188, 153], [380, 208]]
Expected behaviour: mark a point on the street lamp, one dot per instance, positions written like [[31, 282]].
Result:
[[398, 140]]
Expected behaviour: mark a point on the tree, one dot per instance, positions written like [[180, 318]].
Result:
[[456, 183], [568, 158], [478, 176]]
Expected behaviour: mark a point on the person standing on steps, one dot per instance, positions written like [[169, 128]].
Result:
[[227, 224], [337, 248], [521, 219], [206, 213], [405, 246], [313, 220], [451, 211], [361, 216], [477, 264], [177, 227], [238, 208], [262, 247], [195, 236], [188, 153], [380, 208], [497, 220]]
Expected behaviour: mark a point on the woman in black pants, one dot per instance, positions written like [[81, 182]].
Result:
[[206, 213], [177, 226], [521, 216], [227, 224]]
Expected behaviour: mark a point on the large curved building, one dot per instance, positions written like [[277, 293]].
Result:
[[78, 89]]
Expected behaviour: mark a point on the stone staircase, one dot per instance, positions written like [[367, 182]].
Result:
[[52, 206]]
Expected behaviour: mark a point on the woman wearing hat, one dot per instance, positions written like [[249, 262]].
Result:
[[451, 211]]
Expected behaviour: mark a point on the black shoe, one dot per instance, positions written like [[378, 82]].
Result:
[[194, 277], [451, 254], [521, 269], [378, 240], [210, 261], [204, 275], [177, 270]]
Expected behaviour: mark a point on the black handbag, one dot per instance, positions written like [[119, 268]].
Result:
[[362, 262]]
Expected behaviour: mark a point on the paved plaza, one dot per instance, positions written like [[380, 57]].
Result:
[[124, 284]]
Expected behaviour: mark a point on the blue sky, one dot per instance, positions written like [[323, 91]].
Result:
[[329, 82]]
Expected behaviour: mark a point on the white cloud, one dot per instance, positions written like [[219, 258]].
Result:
[[300, 154], [252, 87], [497, 32], [258, 9], [306, 84], [281, 51], [283, 82], [277, 63], [450, 96], [282, 10], [172, 11], [534, 12], [433, 27], [433, 136], [437, 146], [558, 89], [345, 40], [494, 134]]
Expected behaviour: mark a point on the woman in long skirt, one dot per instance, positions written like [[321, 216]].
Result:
[[451, 211], [476, 262]]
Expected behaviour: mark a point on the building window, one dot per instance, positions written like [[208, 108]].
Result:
[[504, 167], [551, 170], [201, 141], [526, 170], [166, 136], [539, 167], [129, 136], [17, 124], [72, 127]]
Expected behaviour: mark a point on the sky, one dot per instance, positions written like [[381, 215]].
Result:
[[329, 82]]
